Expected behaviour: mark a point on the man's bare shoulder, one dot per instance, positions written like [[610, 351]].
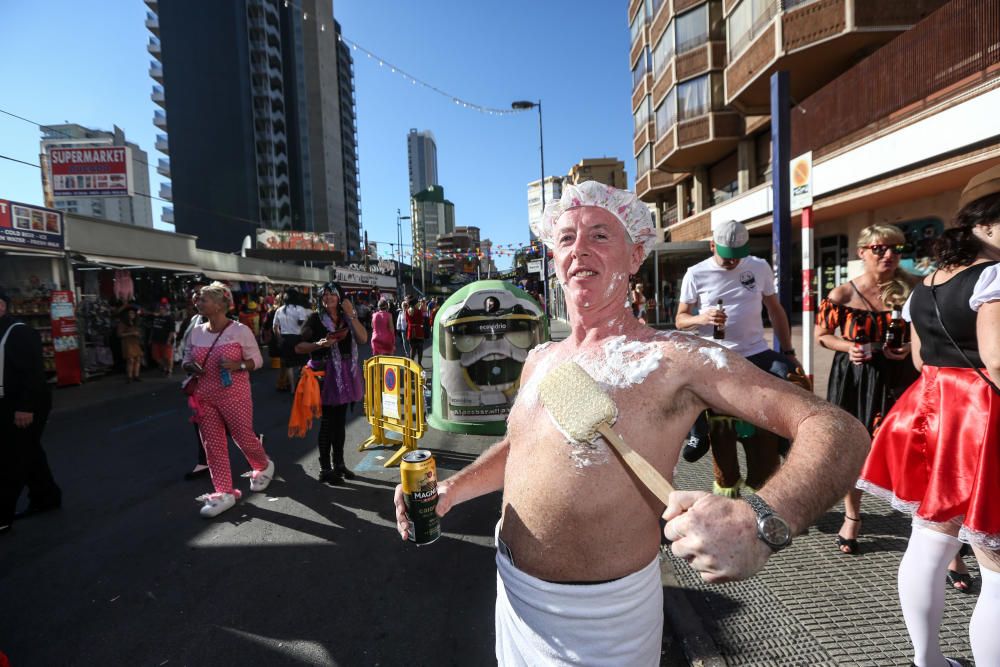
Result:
[[690, 350]]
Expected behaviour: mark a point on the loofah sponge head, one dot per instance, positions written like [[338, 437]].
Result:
[[576, 402]]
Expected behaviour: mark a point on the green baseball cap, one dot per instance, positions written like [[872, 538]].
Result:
[[732, 240]]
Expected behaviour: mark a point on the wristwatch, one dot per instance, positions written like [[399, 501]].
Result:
[[243, 365], [771, 528], [790, 352]]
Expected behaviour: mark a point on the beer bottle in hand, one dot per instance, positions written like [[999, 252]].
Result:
[[895, 334], [719, 331], [864, 344]]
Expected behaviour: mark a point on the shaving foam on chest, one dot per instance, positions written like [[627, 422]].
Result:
[[619, 363]]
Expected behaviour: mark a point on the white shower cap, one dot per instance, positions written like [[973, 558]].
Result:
[[624, 205]]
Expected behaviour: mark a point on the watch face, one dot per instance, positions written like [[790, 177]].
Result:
[[774, 531]]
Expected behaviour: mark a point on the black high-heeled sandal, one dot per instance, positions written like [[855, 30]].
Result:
[[850, 543], [960, 578]]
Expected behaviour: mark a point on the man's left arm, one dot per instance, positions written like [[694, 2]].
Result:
[[781, 327], [718, 536]]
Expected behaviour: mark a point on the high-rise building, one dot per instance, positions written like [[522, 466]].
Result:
[[259, 96], [460, 250], [880, 89], [553, 191], [136, 209], [610, 171], [431, 215], [421, 152]]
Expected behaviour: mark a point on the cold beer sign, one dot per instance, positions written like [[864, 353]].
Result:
[[91, 172]]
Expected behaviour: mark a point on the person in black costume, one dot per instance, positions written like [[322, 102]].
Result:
[[25, 402], [866, 382]]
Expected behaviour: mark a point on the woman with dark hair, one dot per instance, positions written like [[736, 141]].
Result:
[[330, 337], [288, 321], [866, 378], [416, 317], [937, 454]]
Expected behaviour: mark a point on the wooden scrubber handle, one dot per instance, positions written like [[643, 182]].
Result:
[[646, 473]]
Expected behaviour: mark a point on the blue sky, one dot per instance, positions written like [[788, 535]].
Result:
[[87, 63]]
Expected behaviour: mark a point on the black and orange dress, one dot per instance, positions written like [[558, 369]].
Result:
[[866, 390], [937, 454]]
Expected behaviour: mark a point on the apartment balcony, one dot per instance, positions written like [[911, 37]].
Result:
[[911, 79], [168, 215], [158, 97], [162, 145], [166, 192], [160, 120], [153, 23], [644, 136], [698, 141], [645, 87], [154, 46], [655, 183], [814, 40], [695, 227], [661, 17], [156, 71], [163, 167]]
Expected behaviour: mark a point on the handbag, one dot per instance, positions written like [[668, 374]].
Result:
[[937, 311], [189, 385]]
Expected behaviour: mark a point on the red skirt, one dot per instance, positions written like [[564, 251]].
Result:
[[937, 454]]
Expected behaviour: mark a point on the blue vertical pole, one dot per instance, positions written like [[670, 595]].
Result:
[[781, 229]]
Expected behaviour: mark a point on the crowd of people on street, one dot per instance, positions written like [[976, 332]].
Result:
[[912, 414]]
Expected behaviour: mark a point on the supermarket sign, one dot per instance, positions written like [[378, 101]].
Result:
[[90, 172], [27, 226]]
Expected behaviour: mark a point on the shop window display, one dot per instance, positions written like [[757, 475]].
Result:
[[918, 258]]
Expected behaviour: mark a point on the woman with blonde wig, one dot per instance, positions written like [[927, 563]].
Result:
[[866, 378]]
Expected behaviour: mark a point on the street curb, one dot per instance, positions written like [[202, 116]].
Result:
[[684, 621]]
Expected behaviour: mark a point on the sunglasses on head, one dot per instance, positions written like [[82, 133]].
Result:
[[879, 249]]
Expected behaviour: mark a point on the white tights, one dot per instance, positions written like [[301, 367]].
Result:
[[921, 595], [983, 633], [921, 591]]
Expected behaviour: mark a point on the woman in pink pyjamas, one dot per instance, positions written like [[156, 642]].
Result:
[[222, 353]]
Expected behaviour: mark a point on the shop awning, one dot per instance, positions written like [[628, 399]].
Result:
[[297, 283], [133, 263], [231, 276], [13, 251]]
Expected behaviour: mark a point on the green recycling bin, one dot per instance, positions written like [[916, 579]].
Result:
[[482, 336]]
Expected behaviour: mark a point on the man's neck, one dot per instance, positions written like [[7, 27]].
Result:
[[590, 325]]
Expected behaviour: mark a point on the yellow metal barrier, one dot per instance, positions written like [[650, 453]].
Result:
[[394, 401]]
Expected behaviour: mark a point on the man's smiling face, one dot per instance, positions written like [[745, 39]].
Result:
[[594, 256]]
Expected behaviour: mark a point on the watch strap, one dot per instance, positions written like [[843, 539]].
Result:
[[763, 511]]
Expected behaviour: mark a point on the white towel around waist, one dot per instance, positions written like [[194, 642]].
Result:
[[543, 623]]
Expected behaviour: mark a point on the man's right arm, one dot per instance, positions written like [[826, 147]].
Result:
[[684, 319], [485, 475], [24, 355]]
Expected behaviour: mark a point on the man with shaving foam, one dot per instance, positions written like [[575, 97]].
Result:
[[745, 286], [578, 578]]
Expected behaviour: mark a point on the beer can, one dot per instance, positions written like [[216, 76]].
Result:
[[419, 478]]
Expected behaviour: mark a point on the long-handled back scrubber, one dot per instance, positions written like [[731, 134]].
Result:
[[582, 411]]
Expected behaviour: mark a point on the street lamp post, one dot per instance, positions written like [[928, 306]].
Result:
[[399, 261], [423, 256], [526, 104]]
